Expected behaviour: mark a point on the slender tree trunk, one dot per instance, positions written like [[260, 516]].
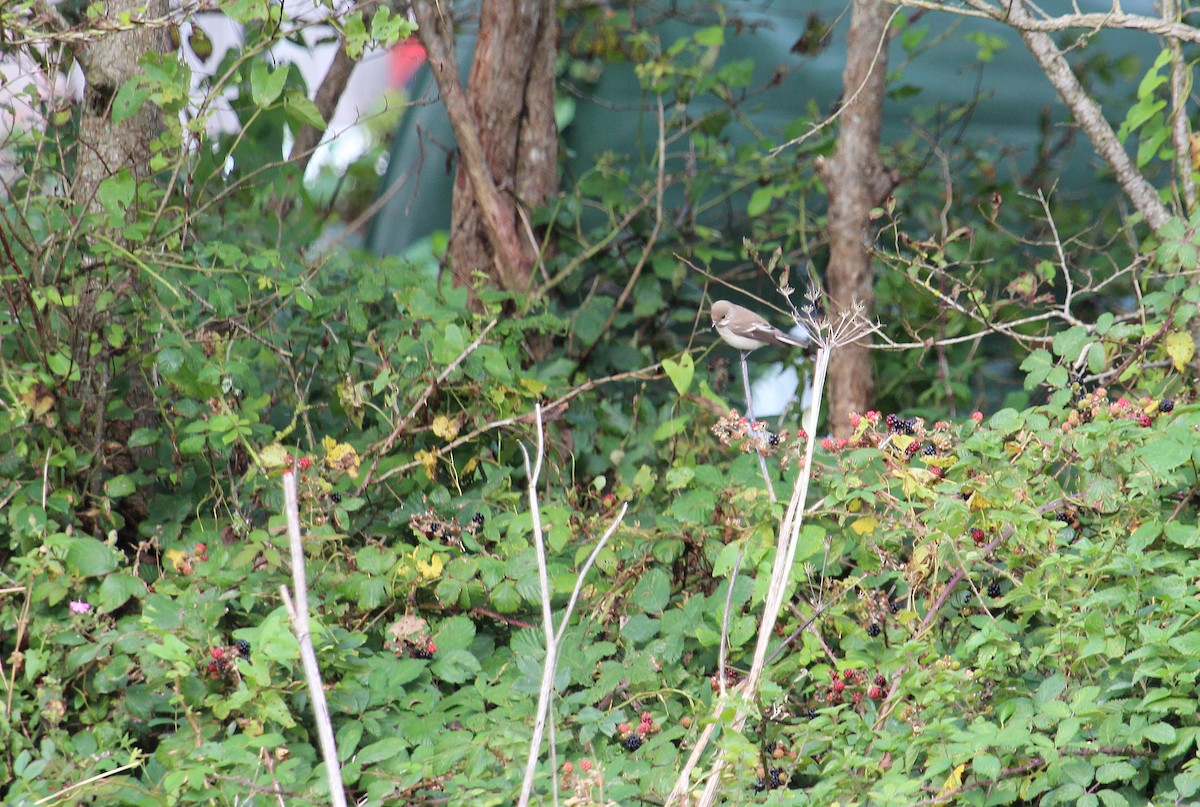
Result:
[[504, 125], [856, 181]]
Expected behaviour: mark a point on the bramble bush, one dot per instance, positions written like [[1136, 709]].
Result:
[[990, 609]]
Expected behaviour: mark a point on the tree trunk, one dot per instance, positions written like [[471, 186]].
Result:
[[105, 148], [507, 138], [856, 181]]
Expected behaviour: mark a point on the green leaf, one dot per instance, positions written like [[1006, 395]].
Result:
[[116, 590], [300, 110], [454, 666], [89, 557], [382, 750], [119, 486], [652, 592], [680, 372], [266, 84]]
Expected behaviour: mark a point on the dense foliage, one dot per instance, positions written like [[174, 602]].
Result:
[[1001, 606]]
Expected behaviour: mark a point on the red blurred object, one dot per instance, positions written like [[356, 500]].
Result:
[[404, 60]]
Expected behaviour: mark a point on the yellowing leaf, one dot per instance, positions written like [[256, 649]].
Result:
[[865, 525], [179, 560], [341, 456], [353, 398], [429, 460], [1180, 348], [445, 428], [953, 782], [431, 570], [275, 456]]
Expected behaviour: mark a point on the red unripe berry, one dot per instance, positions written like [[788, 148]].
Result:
[[801, 435], [839, 686], [977, 417], [585, 765], [847, 675], [647, 717], [855, 420], [978, 536], [200, 549], [1144, 420], [827, 444], [568, 767], [217, 653], [305, 463], [623, 728], [858, 696], [840, 443], [875, 693], [431, 647]]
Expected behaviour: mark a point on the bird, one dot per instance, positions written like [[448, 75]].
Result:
[[741, 328]]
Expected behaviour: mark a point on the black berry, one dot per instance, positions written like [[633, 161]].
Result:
[[633, 742], [243, 648], [929, 450], [880, 680], [1062, 516], [892, 420], [1166, 405], [778, 777], [758, 785], [422, 653], [773, 440], [994, 588], [874, 630], [477, 519], [335, 497], [810, 713], [895, 606]]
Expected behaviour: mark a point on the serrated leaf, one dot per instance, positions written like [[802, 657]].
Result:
[[88, 557]]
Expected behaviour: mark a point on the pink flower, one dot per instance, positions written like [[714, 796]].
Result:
[[80, 607]]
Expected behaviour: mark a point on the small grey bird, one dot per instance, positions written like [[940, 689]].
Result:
[[743, 329]]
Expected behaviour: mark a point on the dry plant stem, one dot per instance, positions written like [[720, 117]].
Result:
[[553, 638], [298, 612], [137, 763], [785, 555], [722, 649], [762, 461]]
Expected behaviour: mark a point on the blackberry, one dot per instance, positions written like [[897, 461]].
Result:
[[880, 681], [894, 606], [758, 785], [929, 450], [874, 630], [809, 713], [773, 440], [994, 588], [906, 425], [243, 648], [1062, 516], [1166, 405], [477, 519], [335, 497], [892, 420], [778, 777], [435, 528], [633, 742], [422, 653]]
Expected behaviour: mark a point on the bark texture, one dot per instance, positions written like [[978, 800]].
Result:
[[504, 125], [105, 148], [109, 61], [856, 181]]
